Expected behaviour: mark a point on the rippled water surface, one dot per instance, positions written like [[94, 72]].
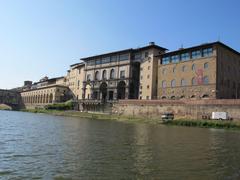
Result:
[[36, 146]]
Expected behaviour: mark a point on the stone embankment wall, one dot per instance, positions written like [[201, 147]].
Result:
[[190, 109]]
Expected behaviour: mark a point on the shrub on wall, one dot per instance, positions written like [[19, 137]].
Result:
[[60, 106]]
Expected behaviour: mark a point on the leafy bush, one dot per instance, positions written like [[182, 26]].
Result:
[[60, 106]]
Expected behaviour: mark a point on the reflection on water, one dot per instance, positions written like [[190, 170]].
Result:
[[35, 146]]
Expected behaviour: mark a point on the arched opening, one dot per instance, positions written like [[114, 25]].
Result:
[[51, 98], [41, 99], [103, 91], [47, 99], [205, 96], [164, 97], [193, 96], [44, 99], [97, 74], [182, 97], [121, 87], [104, 75], [112, 74], [173, 97]]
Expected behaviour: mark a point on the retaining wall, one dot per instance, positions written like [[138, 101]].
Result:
[[190, 109]]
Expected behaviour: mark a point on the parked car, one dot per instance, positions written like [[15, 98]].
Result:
[[167, 116]]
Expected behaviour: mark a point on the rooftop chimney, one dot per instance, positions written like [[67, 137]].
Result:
[[151, 43]]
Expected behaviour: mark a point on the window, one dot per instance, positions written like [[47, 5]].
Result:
[[112, 74], [205, 80], [97, 75], [148, 76], [146, 54], [138, 56], [122, 74], [89, 77], [183, 82], [113, 58], [196, 54], [147, 86], [148, 67], [207, 52], [205, 65], [164, 84], [147, 97], [173, 83], [98, 61], [140, 87], [140, 97], [194, 67], [78, 83], [165, 60], [174, 69], [185, 56], [79, 71], [184, 68], [175, 59], [123, 57], [104, 74], [164, 71], [194, 81], [141, 77], [105, 60]]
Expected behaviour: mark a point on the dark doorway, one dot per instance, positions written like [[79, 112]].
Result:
[[103, 91], [110, 95], [121, 90]]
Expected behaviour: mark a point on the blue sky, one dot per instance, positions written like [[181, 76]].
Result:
[[39, 38]]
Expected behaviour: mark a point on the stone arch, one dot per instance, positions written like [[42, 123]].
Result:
[[205, 96], [41, 99], [173, 97], [47, 98], [51, 98], [104, 74], [44, 98], [193, 96], [96, 76], [121, 90], [112, 74], [103, 91], [163, 97]]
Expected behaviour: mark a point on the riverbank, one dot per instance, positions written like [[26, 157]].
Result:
[[95, 115], [130, 119]]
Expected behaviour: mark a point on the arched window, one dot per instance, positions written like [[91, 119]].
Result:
[[173, 83], [104, 74], [205, 80], [194, 81], [194, 67], [112, 74], [184, 68], [164, 84], [89, 77], [97, 75], [183, 82], [205, 65]]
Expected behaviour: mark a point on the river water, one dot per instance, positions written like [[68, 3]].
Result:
[[38, 146]]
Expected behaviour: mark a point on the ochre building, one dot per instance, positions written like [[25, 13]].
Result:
[[205, 71]]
